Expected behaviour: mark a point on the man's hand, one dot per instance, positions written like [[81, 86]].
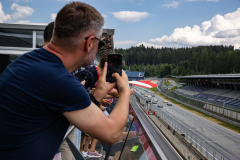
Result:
[[122, 83], [103, 87], [105, 102]]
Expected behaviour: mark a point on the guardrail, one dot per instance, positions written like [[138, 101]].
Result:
[[205, 148]]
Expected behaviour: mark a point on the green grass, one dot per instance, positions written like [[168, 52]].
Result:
[[210, 118], [167, 82], [173, 88], [153, 89]]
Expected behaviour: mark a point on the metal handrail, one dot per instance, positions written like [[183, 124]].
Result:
[[189, 134]]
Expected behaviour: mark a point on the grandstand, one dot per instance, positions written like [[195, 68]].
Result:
[[221, 88], [135, 76]]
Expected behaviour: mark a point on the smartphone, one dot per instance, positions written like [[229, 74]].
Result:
[[82, 76], [114, 66]]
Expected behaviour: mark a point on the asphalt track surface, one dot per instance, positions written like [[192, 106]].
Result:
[[224, 140], [166, 148]]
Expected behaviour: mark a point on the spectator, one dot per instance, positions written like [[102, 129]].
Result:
[[48, 32], [40, 97]]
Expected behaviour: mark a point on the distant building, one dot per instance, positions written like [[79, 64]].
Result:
[[17, 39], [135, 76]]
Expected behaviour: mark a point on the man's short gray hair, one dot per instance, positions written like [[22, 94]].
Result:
[[76, 18]]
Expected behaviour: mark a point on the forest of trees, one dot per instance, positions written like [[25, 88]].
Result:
[[166, 62]]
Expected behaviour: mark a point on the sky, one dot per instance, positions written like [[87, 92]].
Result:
[[157, 23]]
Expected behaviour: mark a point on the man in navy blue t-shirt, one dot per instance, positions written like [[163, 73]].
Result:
[[39, 96]]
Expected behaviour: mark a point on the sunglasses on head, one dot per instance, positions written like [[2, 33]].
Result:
[[100, 44]]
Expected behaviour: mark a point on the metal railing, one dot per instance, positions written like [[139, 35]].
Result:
[[205, 148]]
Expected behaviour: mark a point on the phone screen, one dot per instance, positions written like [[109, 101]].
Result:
[[82, 76], [114, 66]]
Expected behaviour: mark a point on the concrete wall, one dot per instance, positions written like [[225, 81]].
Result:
[[227, 113]]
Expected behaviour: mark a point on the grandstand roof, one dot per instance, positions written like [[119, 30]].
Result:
[[134, 74], [217, 76]]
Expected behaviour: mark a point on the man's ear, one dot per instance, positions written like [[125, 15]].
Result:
[[89, 43]]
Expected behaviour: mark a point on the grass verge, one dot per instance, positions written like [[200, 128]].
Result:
[[167, 82], [173, 88], [203, 115]]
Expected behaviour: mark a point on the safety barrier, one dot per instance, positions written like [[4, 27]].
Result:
[[205, 148], [195, 140]]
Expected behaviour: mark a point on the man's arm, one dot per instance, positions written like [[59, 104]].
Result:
[[92, 120]]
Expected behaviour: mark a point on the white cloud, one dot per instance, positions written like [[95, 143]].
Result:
[[174, 4], [21, 11], [219, 30], [104, 15], [230, 33], [130, 16], [118, 43], [3, 17], [23, 22], [53, 16], [149, 45]]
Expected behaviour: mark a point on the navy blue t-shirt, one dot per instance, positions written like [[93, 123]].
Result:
[[34, 92]]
